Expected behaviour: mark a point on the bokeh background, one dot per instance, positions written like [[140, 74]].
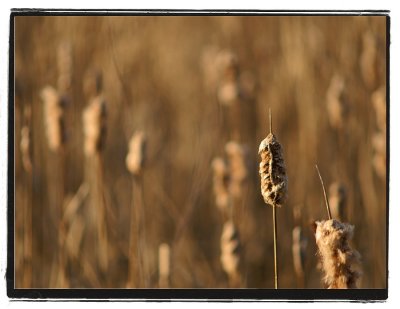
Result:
[[192, 84]]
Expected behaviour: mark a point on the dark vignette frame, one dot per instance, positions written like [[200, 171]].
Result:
[[157, 294]]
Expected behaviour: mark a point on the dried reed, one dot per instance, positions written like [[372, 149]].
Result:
[[299, 245], [273, 181], [65, 67]]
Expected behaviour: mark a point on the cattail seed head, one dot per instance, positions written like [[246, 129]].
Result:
[[221, 183], [25, 148], [339, 261], [238, 167], [335, 102], [164, 265], [94, 126], [337, 200], [272, 171], [230, 249], [53, 117], [137, 153]]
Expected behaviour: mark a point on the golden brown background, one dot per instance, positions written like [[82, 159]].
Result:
[[158, 77]]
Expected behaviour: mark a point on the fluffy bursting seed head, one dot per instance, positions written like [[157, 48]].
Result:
[[338, 260], [272, 171]]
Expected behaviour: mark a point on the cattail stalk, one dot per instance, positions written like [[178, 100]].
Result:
[[54, 115], [273, 183], [135, 159]]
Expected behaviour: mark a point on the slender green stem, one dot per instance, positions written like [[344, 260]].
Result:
[[275, 245]]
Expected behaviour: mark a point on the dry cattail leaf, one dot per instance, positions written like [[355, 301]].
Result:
[[238, 167], [137, 153], [340, 263], [230, 249], [54, 117], [299, 246], [368, 59], [272, 171], [64, 64], [221, 183], [379, 101], [335, 103], [74, 236], [164, 265], [25, 148], [94, 126], [337, 200]]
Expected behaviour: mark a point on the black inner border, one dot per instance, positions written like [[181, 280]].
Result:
[[214, 295]]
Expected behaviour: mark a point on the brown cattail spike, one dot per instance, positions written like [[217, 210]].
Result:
[[230, 250], [221, 184], [338, 260], [326, 198], [272, 171]]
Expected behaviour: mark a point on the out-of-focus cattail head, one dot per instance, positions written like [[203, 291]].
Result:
[[221, 183], [378, 99], [53, 117], [65, 66], [94, 126], [164, 267], [335, 102], [238, 167], [299, 246], [272, 171], [368, 59], [230, 250], [337, 200], [340, 263], [92, 83], [229, 85], [137, 153]]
